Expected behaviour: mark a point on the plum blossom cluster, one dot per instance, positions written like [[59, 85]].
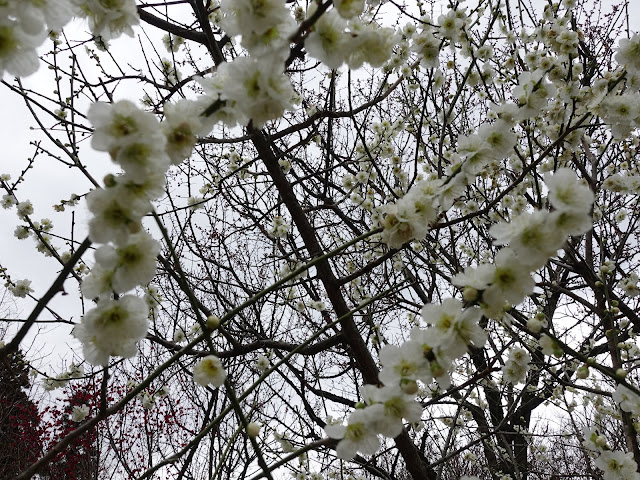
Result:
[[627, 399], [20, 288], [264, 25], [127, 258], [144, 149], [408, 218], [279, 227], [517, 365], [382, 413], [428, 355], [626, 184], [615, 464], [451, 327], [249, 88], [110, 19], [24, 26], [532, 239], [629, 285], [62, 379], [339, 37]]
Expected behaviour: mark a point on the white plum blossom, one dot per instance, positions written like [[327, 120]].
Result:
[[256, 87], [549, 346], [629, 53], [492, 142], [21, 232], [511, 279], [21, 288], [24, 209], [109, 19], [79, 413], [279, 227], [627, 399], [349, 8], [408, 218], [566, 192], [142, 155], [406, 363], [453, 328], [593, 440], [533, 237], [114, 327], [19, 38], [451, 25], [182, 125], [329, 41], [617, 465], [179, 336], [516, 367], [357, 436], [99, 283], [436, 362], [118, 123], [626, 184], [32, 15], [148, 401], [8, 201], [135, 261], [427, 46], [514, 373], [388, 406], [369, 44], [629, 285], [621, 112], [116, 214], [265, 25], [508, 281], [284, 442], [243, 16], [261, 363], [124, 267], [209, 370]]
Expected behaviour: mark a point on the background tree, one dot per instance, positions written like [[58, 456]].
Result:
[[21, 442]]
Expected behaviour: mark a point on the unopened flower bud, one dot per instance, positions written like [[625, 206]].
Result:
[[253, 429], [582, 372], [109, 180], [534, 325], [601, 441], [621, 373], [213, 322], [470, 294], [409, 387]]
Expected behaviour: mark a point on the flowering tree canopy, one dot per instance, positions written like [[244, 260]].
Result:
[[333, 239]]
